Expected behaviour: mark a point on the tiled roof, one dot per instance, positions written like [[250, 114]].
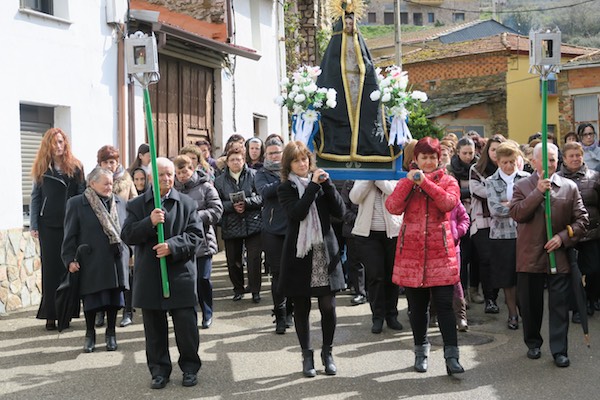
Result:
[[184, 22], [590, 58], [456, 102], [498, 43]]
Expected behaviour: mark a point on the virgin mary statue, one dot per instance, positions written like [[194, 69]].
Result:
[[354, 130]]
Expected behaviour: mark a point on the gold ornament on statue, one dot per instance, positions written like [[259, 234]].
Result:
[[339, 8]]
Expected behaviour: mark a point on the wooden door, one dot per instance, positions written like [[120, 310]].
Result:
[[182, 105]]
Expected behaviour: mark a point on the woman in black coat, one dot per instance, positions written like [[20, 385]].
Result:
[[95, 218], [57, 176], [274, 221], [310, 264], [241, 224]]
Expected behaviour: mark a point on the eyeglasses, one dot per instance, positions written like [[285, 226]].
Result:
[[274, 153], [588, 134]]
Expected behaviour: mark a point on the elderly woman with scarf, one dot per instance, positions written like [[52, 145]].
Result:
[[95, 218], [310, 263], [267, 181], [123, 186]]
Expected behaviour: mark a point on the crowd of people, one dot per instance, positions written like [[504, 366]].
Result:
[[466, 221]]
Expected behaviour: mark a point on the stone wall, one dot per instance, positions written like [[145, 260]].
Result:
[[203, 10], [20, 270], [308, 13]]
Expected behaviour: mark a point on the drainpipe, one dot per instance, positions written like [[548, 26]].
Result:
[[121, 99]]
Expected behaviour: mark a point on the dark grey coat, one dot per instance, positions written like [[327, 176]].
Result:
[[209, 206], [296, 272], [106, 267], [183, 234]]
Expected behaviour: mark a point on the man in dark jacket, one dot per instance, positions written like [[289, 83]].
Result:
[[569, 220], [183, 234]]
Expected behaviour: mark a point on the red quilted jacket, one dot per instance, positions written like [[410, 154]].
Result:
[[425, 256]]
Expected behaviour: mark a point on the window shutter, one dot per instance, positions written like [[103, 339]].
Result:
[[31, 137]]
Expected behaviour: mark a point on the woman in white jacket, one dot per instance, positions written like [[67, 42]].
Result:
[[376, 233]]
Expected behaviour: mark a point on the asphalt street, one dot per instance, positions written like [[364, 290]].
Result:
[[244, 359]]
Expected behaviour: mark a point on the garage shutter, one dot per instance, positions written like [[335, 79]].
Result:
[[31, 137]]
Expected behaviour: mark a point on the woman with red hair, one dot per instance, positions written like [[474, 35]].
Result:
[[57, 176], [426, 264]]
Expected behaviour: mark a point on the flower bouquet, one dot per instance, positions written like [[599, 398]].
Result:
[[303, 99], [397, 101]]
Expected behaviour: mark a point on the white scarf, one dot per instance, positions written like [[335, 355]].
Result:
[[510, 183], [310, 232]]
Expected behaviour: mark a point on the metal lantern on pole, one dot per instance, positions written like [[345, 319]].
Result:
[[141, 55], [544, 59]]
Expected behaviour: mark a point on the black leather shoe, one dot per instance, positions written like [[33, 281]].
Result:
[[159, 382], [576, 318], [597, 305], [358, 299], [394, 324], [90, 343], [561, 361], [256, 298], [421, 364], [111, 343], [189, 379], [534, 353], [590, 308], [377, 326], [491, 307], [237, 297], [99, 319], [453, 366], [50, 325], [206, 323]]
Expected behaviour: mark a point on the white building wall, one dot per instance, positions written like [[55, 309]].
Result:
[[256, 82], [69, 66]]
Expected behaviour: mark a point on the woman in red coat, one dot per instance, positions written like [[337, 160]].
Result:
[[426, 263]]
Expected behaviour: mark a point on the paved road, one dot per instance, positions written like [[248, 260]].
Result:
[[244, 359]]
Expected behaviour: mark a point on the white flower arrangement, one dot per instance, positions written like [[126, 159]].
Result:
[[393, 92], [397, 101], [300, 93], [304, 99]]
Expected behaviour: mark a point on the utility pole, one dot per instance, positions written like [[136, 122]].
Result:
[[398, 33]]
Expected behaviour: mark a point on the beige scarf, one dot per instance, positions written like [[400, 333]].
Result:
[[109, 221]]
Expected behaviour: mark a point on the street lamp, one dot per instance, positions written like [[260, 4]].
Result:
[[544, 59], [141, 57]]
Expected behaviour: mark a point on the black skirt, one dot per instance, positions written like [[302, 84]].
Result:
[[503, 263]]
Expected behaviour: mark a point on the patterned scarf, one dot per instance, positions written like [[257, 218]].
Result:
[[310, 232], [110, 222]]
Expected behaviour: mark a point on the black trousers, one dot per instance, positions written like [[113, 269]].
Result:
[[418, 306], [481, 256], [589, 264], [356, 268], [156, 330], [273, 247], [204, 286], [379, 252], [234, 252], [530, 293], [302, 306]]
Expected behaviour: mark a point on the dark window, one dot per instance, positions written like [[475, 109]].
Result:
[[418, 19], [430, 18], [404, 18], [44, 6], [388, 18], [458, 17], [372, 18]]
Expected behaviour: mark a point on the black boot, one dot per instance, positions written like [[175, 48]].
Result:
[[421, 354], [99, 319], [452, 364], [289, 313], [280, 325], [308, 363], [90, 342], [327, 358]]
